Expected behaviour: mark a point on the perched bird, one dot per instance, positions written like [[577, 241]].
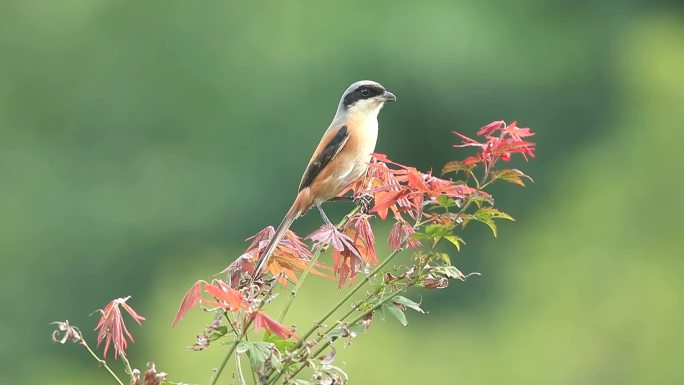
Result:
[[341, 158]]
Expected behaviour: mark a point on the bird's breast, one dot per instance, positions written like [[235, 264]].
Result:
[[351, 163], [364, 134]]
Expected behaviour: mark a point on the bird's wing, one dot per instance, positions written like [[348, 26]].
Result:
[[332, 142]]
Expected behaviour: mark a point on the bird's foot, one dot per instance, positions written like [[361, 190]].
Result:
[[364, 201]]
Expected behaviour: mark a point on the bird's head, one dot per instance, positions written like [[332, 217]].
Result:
[[365, 97]]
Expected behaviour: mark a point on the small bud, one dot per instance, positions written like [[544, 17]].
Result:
[[70, 333]]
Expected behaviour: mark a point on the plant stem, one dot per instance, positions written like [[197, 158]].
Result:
[[101, 362], [295, 290], [232, 348], [230, 353], [128, 365], [351, 323], [239, 368], [339, 304], [352, 310]]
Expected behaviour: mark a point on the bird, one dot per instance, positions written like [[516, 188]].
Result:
[[340, 159]]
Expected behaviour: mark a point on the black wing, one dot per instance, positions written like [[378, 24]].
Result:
[[327, 154]]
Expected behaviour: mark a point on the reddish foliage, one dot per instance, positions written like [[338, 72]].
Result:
[[349, 255], [244, 264], [405, 189], [363, 232], [290, 256], [262, 321], [329, 235], [509, 141], [348, 263], [112, 328], [226, 297], [191, 299], [402, 231]]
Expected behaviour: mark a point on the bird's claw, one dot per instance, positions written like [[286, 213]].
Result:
[[364, 201]]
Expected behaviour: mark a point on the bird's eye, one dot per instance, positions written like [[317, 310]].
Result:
[[365, 92]]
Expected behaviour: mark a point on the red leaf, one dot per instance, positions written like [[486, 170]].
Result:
[[491, 127], [364, 234], [262, 321], [229, 298], [402, 231], [112, 328], [384, 200], [191, 299]]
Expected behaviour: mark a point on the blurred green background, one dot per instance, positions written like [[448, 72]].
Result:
[[141, 142]]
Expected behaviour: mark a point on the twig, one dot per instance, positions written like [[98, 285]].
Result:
[[339, 304], [101, 362], [239, 369], [351, 323], [232, 348]]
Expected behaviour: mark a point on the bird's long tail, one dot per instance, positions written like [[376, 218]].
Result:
[[292, 214]]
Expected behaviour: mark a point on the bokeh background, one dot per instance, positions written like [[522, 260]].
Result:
[[141, 142]]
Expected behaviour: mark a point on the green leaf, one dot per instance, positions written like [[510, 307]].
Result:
[[220, 332], [455, 166], [394, 310], [480, 197], [281, 344], [259, 353], [511, 175], [444, 257], [449, 272], [487, 215], [438, 231], [341, 332], [455, 240], [399, 300], [434, 231], [303, 382], [445, 201], [357, 328]]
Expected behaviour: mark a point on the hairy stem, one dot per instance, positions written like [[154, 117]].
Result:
[[341, 302], [239, 369], [351, 323], [242, 336], [101, 362], [128, 364]]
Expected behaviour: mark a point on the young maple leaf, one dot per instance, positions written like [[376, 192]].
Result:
[[190, 300], [347, 264], [290, 256], [404, 190], [226, 297], [329, 235], [112, 328], [262, 321], [244, 264], [509, 141], [349, 255], [402, 231], [491, 128], [363, 232]]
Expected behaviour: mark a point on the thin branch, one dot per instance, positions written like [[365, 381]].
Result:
[[239, 369], [101, 362], [351, 323], [235, 343]]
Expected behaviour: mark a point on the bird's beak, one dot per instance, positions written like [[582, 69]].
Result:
[[388, 97]]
